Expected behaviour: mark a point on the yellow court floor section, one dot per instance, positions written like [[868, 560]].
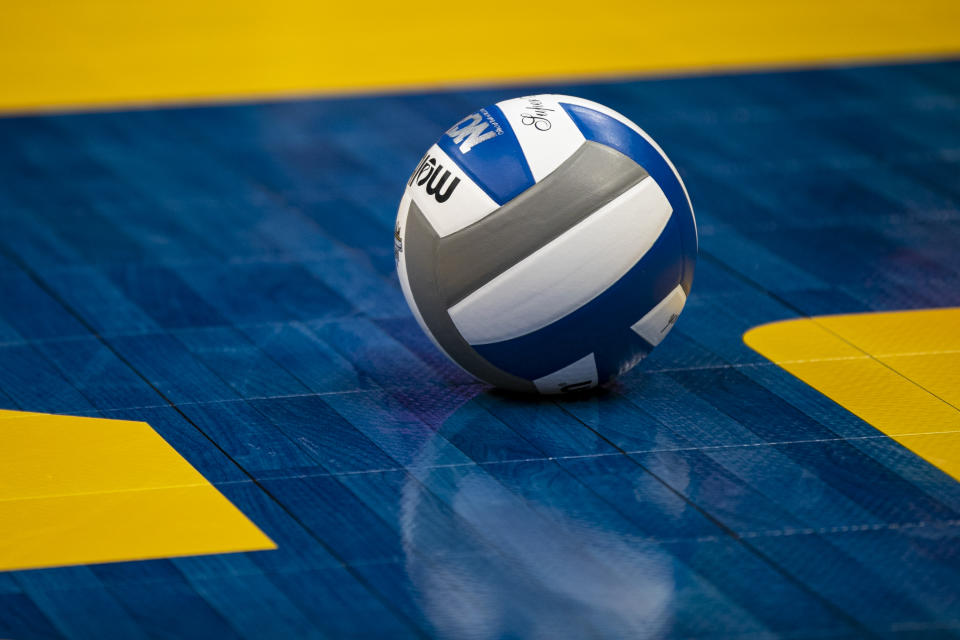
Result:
[[898, 371], [88, 490], [63, 54]]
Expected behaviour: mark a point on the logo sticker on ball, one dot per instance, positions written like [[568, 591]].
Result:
[[536, 115], [434, 176], [472, 130], [397, 244]]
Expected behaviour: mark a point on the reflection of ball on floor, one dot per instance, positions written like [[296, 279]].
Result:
[[486, 562], [545, 244]]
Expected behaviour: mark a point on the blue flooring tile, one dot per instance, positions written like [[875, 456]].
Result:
[[241, 298], [864, 592], [33, 383], [264, 292], [104, 380], [334, 444], [22, 618], [150, 605], [240, 363], [334, 514], [166, 364], [249, 438], [333, 600], [255, 607], [68, 609], [36, 315], [89, 293]]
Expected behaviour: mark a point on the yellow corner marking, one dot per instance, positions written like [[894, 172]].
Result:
[[61, 54], [898, 371], [88, 490]]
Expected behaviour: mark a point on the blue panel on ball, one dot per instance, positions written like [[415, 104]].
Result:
[[601, 128], [596, 327], [484, 145]]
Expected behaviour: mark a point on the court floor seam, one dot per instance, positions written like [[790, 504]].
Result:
[[266, 476], [472, 383], [718, 447]]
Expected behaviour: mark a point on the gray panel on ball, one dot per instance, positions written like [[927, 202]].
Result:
[[420, 246], [590, 178]]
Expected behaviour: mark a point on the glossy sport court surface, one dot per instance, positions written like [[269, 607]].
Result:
[[225, 275]]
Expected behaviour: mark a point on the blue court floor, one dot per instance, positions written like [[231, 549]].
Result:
[[226, 274]]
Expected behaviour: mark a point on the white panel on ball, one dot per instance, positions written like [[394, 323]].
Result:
[[565, 274], [582, 374], [448, 198], [656, 324], [545, 132]]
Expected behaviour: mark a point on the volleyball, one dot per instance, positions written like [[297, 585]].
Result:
[[545, 244]]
